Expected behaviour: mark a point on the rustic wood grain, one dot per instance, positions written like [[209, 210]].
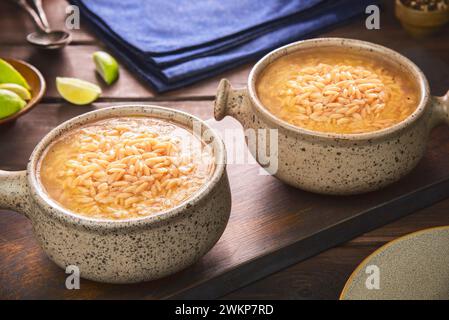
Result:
[[320, 277], [15, 24], [76, 61], [324, 276]]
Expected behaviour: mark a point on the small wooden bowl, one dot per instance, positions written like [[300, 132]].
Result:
[[420, 23], [36, 82]]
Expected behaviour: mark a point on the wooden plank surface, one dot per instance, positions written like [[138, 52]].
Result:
[[271, 223], [324, 276], [15, 24], [76, 61]]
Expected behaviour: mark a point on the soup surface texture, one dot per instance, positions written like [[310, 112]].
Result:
[[337, 92], [125, 167]]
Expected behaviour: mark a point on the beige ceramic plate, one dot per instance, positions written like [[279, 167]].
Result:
[[415, 266], [36, 82]]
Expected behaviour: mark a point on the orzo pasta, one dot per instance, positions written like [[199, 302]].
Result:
[[337, 92], [125, 167]]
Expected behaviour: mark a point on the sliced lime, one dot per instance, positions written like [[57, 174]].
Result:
[[106, 66], [17, 89], [77, 91], [8, 74], [10, 103]]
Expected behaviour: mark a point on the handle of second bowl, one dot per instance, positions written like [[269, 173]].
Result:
[[231, 102], [14, 191], [441, 110]]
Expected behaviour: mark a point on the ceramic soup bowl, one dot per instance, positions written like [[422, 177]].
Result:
[[123, 251], [339, 164]]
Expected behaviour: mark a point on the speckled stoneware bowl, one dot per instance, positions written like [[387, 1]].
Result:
[[412, 267], [339, 164], [123, 251]]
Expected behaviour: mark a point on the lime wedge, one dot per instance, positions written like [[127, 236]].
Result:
[[8, 74], [10, 103], [77, 91], [106, 66], [19, 90]]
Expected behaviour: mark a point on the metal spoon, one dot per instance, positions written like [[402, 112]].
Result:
[[45, 37]]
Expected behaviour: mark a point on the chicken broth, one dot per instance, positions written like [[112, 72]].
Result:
[[337, 92], [125, 167]]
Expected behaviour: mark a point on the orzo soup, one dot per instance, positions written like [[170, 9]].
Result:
[[125, 167], [337, 92]]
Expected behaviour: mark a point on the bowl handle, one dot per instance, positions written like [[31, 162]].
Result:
[[14, 191], [441, 110], [231, 102]]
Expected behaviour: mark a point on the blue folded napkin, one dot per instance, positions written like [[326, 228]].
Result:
[[174, 43]]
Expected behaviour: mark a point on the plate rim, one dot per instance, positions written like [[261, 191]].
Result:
[[381, 249]]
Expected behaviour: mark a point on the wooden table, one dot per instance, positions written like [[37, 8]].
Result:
[[320, 277]]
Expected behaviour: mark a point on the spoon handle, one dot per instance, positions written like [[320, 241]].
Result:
[[41, 13], [37, 17]]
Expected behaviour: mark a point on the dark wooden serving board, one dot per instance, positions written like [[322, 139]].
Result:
[[271, 227]]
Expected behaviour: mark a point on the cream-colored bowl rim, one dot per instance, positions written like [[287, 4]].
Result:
[[55, 210], [339, 43]]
